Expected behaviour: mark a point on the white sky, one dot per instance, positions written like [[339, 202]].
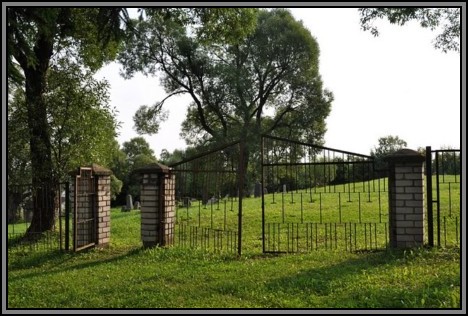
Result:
[[394, 84]]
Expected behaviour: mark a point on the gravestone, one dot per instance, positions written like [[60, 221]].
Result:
[[186, 202], [137, 205], [258, 189], [284, 189], [212, 200], [129, 205]]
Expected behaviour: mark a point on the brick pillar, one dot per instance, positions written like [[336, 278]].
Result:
[[157, 200], [91, 202], [103, 205], [406, 198]]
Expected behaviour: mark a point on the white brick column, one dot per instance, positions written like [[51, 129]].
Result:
[[406, 198], [157, 200]]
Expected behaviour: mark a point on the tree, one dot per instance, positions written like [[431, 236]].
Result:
[[138, 154], [80, 122], [448, 19], [388, 145], [268, 82], [35, 37]]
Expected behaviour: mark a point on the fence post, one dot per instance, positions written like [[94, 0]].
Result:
[[406, 198], [430, 214], [157, 200]]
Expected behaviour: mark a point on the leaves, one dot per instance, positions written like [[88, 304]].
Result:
[[447, 20]]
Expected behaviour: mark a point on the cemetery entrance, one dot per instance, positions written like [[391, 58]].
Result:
[[208, 200]]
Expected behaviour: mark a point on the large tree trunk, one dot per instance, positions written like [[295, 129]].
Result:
[[43, 181]]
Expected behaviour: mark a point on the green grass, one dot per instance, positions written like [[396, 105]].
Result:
[[127, 276]]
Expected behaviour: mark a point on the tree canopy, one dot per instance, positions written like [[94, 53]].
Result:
[[446, 19], [265, 82], [37, 39]]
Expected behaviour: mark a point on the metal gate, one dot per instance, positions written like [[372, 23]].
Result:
[[84, 210], [209, 203], [443, 196], [315, 197]]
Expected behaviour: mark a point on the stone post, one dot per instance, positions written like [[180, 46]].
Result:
[[406, 198], [157, 200], [90, 198], [103, 198]]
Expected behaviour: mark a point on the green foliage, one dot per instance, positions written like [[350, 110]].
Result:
[[232, 85], [39, 38], [135, 147], [135, 153], [81, 122], [447, 19], [116, 186], [388, 145]]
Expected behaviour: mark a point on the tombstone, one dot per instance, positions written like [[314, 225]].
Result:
[[265, 190], [284, 189], [129, 205], [258, 189], [212, 200], [137, 205], [186, 202]]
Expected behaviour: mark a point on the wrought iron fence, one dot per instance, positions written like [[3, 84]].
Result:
[[20, 208], [443, 196], [208, 201], [319, 197]]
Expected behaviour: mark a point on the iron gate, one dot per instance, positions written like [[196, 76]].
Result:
[[443, 191], [84, 210], [315, 197], [209, 206]]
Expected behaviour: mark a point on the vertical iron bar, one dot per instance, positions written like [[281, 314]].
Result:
[[263, 193], [450, 200], [438, 198], [67, 216], [302, 211], [316, 237], [320, 199], [430, 216], [365, 236], [346, 236], [445, 231], [225, 215], [359, 208], [282, 204], [339, 204], [241, 193]]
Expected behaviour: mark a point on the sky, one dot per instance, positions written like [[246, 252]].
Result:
[[394, 84]]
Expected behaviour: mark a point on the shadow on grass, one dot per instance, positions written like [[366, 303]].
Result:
[[343, 281], [61, 262]]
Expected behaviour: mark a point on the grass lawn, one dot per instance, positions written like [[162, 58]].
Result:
[[127, 276]]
